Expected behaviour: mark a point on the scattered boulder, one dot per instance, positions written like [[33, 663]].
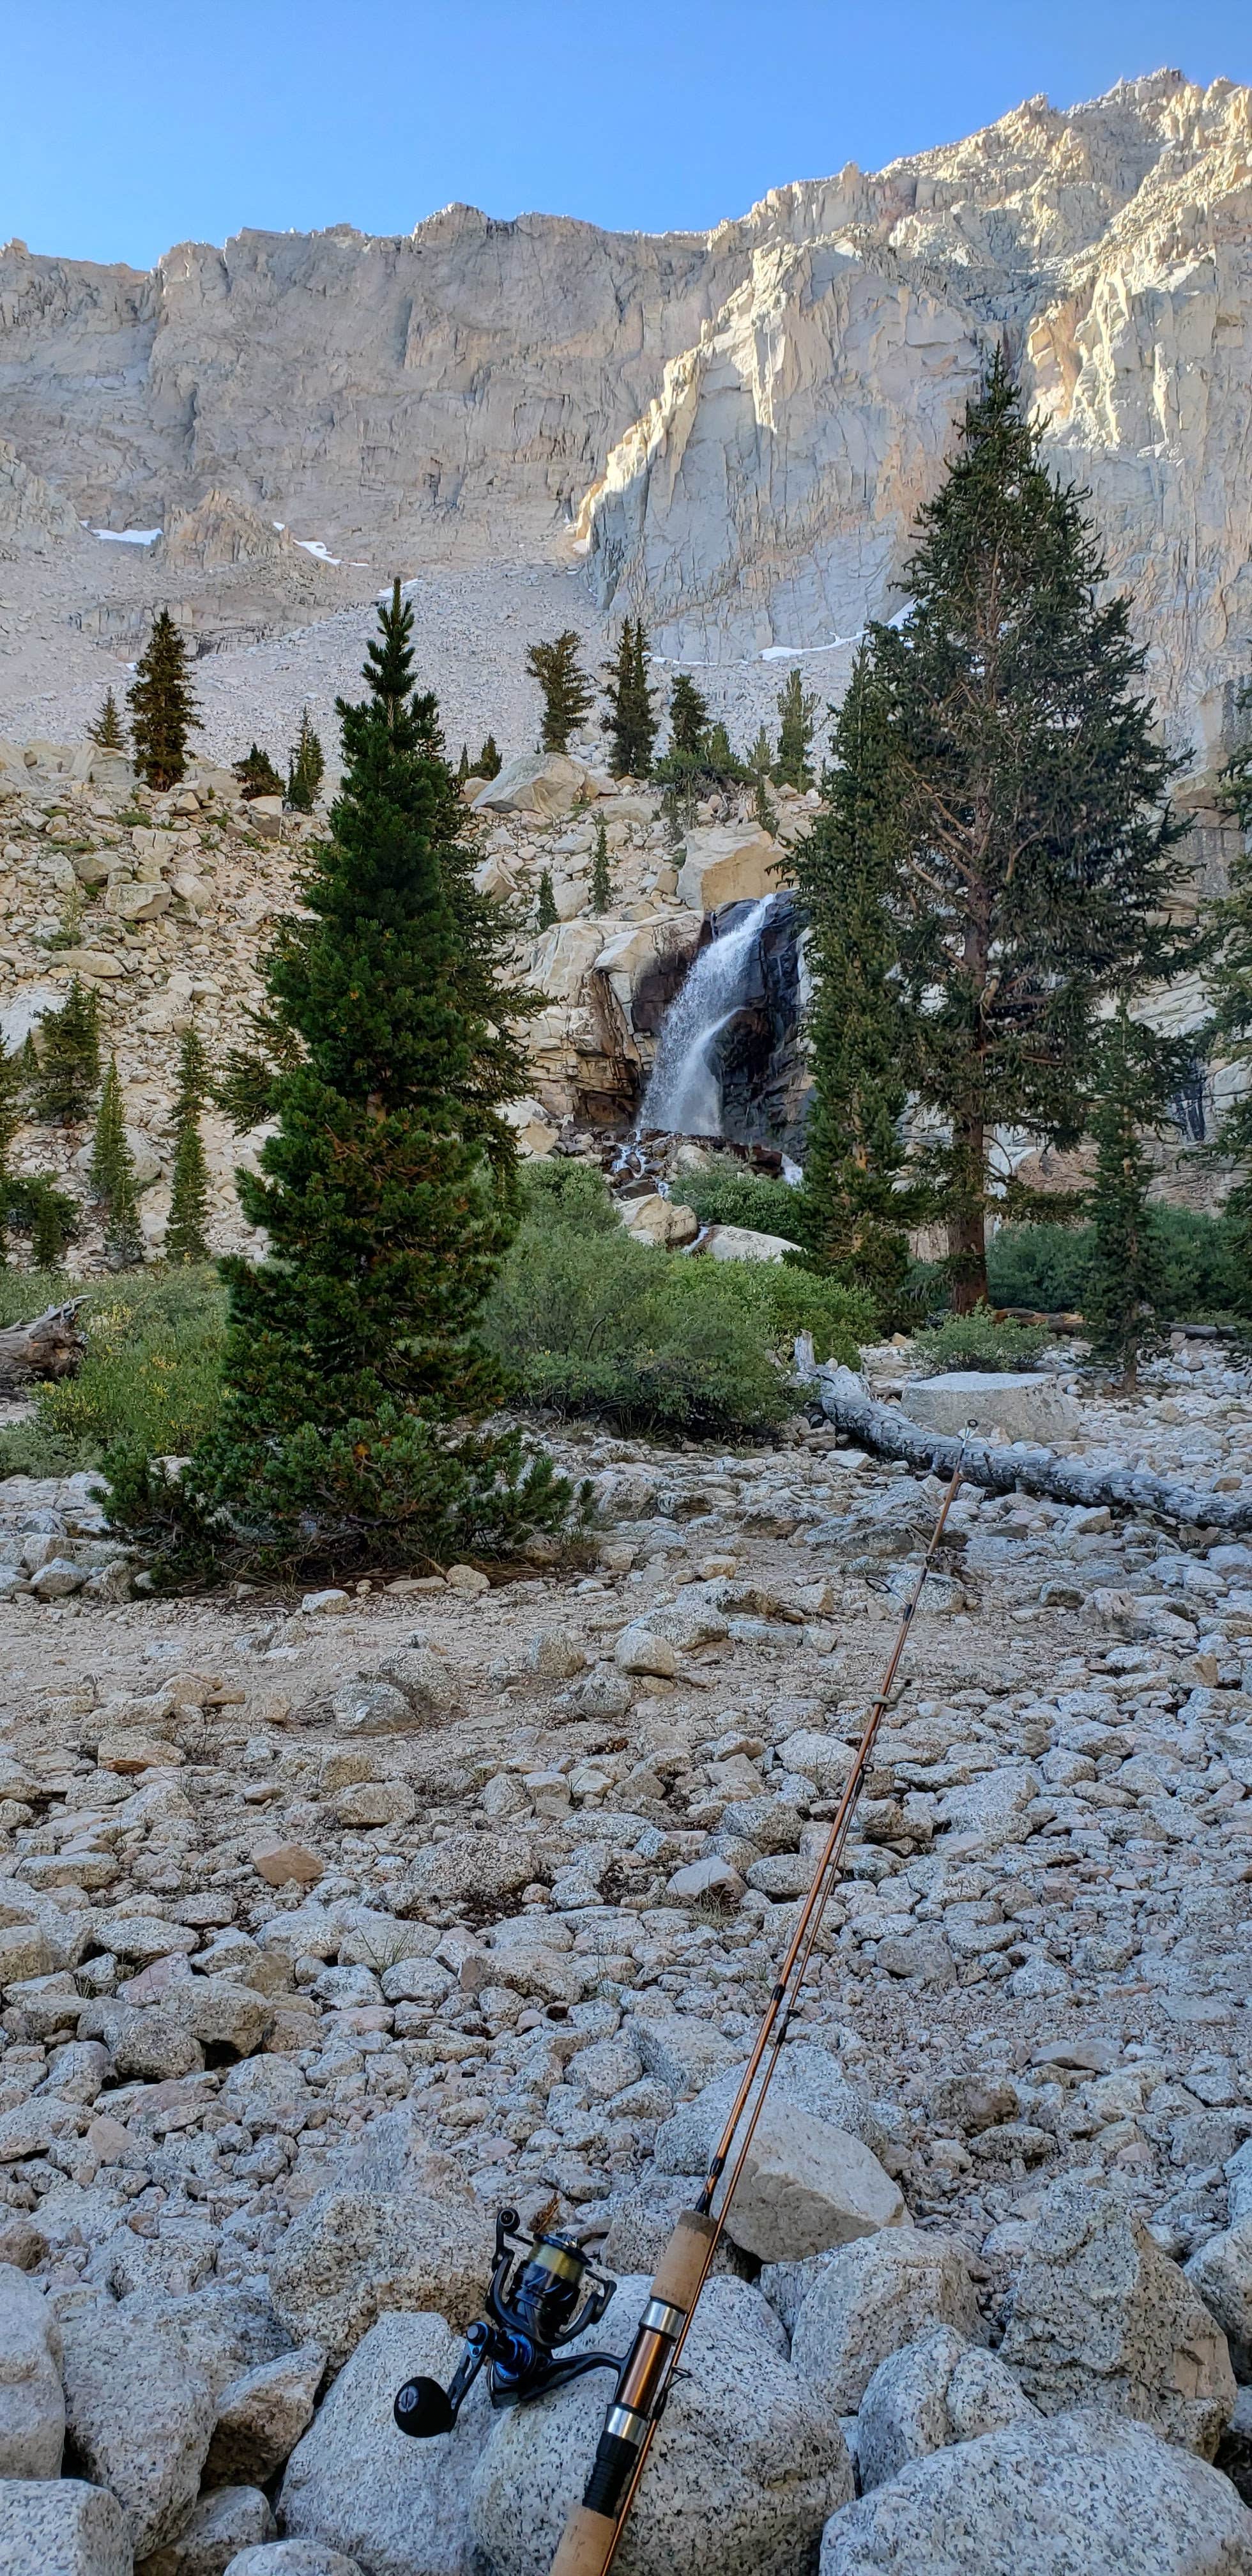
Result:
[[1084, 2491], [261, 2416], [355, 2252], [659, 1221], [746, 2466], [1020, 1407], [32, 2406], [1222, 2273], [868, 2300], [544, 783], [61, 2527], [222, 2524], [139, 2414], [725, 864], [293, 2558], [745, 1243], [932, 2393], [355, 2483], [1100, 2313]]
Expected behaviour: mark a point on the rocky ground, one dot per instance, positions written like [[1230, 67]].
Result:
[[325, 1927]]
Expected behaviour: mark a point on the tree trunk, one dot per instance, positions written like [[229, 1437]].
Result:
[[50, 1347], [887, 1431]]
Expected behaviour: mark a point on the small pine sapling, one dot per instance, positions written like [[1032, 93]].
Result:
[[306, 768], [463, 765], [488, 763], [796, 708], [163, 711], [257, 775], [688, 717], [10, 1120], [630, 723], [106, 732], [568, 695], [546, 911], [68, 1069], [601, 880], [112, 1177], [1125, 1279]]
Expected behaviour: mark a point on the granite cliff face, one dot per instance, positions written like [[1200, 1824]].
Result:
[[736, 428]]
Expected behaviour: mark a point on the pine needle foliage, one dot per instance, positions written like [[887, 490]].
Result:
[[186, 1234], [797, 708], [568, 694], [489, 762], [688, 716], [1231, 978], [106, 732], [257, 775], [112, 1177], [306, 767], [631, 723], [11, 1108], [388, 1194], [855, 1208], [162, 708], [545, 909], [67, 1068], [1034, 857], [601, 878], [1126, 1277]]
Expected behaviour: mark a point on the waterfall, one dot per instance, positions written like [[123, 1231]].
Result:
[[684, 1095]]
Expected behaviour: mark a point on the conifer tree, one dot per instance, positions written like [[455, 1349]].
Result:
[[11, 1087], [488, 763], [761, 756], [112, 1177], [630, 723], [1034, 856], [185, 1234], [68, 1069], [1126, 1274], [387, 1194], [546, 912], [855, 1208], [688, 717], [463, 765], [1231, 980], [52, 1222], [796, 708], [162, 708], [257, 775], [106, 732], [306, 768], [568, 695], [601, 880]]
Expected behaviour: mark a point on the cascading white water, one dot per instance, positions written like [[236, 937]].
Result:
[[684, 1095]]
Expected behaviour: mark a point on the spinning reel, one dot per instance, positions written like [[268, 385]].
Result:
[[528, 2319]]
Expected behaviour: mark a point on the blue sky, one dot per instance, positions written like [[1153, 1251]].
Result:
[[132, 126]]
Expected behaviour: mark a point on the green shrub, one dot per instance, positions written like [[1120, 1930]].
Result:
[[1047, 1266], [590, 1322], [977, 1342], [733, 1197], [150, 1374]]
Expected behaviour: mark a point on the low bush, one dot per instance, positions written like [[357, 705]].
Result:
[[589, 1322], [150, 1375], [739, 1198], [1048, 1266], [977, 1342]]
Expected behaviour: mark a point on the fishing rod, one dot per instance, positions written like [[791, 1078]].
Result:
[[533, 2304]]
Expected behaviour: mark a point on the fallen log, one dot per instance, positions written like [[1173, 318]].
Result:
[[50, 1347], [888, 1432]]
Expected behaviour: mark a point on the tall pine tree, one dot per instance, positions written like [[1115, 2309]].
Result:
[[601, 880], [67, 1067], [387, 1195], [855, 1208], [186, 1231], [568, 695], [11, 1087], [631, 723], [688, 717], [1034, 857], [1231, 980], [112, 1177], [162, 708]]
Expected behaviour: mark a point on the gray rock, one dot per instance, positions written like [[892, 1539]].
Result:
[[371, 1708], [1100, 2313], [147, 2046], [682, 2053], [934, 2392], [553, 1655], [261, 2416], [225, 2332], [1022, 1407], [471, 1869], [871, 2298], [32, 2406], [807, 2076], [229, 2021], [61, 2527], [355, 2252], [1086, 2491], [56, 1580], [1222, 2273], [424, 1679], [399, 2506], [218, 2528], [745, 2469], [139, 2413], [294, 2558], [806, 2186]]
